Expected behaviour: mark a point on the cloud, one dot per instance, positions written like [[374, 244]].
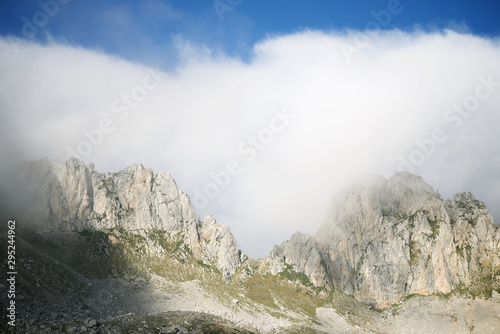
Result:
[[219, 124]]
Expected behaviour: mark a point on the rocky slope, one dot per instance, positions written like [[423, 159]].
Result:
[[300, 253], [70, 196], [386, 239], [125, 252], [69, 283]]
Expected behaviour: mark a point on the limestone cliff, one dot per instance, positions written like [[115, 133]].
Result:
[[385, 239], [72, 196], [301, 254]]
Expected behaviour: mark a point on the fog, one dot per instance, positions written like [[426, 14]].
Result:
[[264, 144]]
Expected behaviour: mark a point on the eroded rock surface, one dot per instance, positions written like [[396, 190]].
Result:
[[385, 239], [72, 196]]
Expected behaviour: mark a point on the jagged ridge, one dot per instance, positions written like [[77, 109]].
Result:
[[386, 239], [70, 196]]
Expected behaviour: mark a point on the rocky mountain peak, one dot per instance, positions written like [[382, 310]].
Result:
[[385, 239], [71, 196], [300, 254]]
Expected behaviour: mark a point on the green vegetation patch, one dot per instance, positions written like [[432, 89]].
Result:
[[465, 251], [160, 237], [96, 236], [293, 276], [273, 290], [435, 226], [107, 185], [354, 312], [414, 253]]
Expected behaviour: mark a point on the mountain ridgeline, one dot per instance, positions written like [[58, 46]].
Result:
[[386, 239], [383, 240], [135, 202]]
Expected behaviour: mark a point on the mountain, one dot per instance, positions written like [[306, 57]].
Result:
[[387, 239], [126, 252], [69, 196]]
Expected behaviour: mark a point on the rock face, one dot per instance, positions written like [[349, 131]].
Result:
[[216, 245], [72, 196], [385, 239], [301, 252]]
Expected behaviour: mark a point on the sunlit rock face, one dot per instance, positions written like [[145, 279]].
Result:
[[72, 196], [385, 239], [301, 254]]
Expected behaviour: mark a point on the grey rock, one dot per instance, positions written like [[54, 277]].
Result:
[[91, 323], [217, 246], [385, 239], [301, 252], [71, 196]]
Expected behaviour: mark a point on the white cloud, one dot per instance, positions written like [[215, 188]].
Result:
[[351, 118]]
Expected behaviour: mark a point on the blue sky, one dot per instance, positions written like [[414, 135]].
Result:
[[146, 31], [303, 96]]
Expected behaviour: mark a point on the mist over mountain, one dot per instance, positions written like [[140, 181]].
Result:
[[386, 239], [232, 166], [294, 120], [384, 242]]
